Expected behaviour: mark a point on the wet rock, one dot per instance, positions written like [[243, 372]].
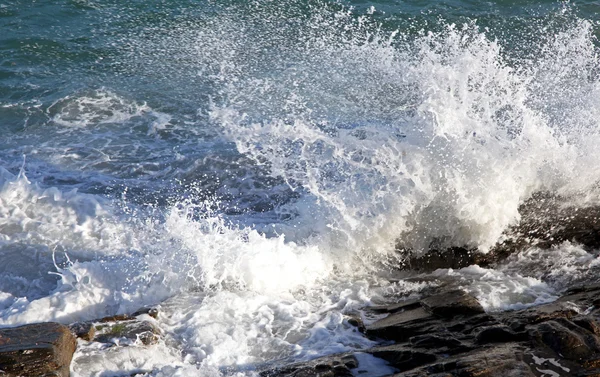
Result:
[[448, 334], [83, 330], [42, 349], [128, 332], [452, 304], [329, 366], [435, 341], [562, 340], [451, 257], [152, 312], [401, 357], [549, 311], [498, 334], [398, 307], [356, 321], [397, 326], [545, 221], [423, 317], [589, 324]]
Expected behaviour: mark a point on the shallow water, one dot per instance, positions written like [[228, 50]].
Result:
[[249, 168]]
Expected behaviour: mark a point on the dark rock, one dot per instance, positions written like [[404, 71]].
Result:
[[562, 340], [582, 288], [397, 326], [42, 349], [152, 312], [401, 357], [434, 341], [83, 330], [451, 257], [129, 331], [545, 221], [393, 308], [350, 361], [589, 324], [498, 334], [452, 304], [357, 322], [329, 366], [116, 318], [448, 334], [549, 311]]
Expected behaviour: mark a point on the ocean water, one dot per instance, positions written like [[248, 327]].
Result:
[[249, 167]]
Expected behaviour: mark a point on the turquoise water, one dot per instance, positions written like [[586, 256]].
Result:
[[249, 167]]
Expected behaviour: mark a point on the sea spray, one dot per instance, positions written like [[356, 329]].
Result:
[[248, 167]]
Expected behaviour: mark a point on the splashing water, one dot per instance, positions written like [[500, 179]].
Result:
[[259, 191]]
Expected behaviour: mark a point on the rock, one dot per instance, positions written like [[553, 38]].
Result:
[[448, 334], [452, 257], [566, 342], [435, 341], [589, 324], [393, 308], [128, 331], [402, 358], [452, 304], [41, 349], [83, 330], [549, 311], [545, 221], [409, 319], [329, 366], [398, 327], [498, 334], [152, 312]]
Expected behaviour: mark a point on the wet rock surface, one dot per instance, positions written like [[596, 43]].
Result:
[[449, 334], [127, 332], [546, 220], [41, 349], [331, 366], [46, 349]]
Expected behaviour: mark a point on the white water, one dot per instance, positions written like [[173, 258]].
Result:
[[435, 138]]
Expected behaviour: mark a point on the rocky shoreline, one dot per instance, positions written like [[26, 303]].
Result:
[[46, 349], [449, 334], [444, 333]]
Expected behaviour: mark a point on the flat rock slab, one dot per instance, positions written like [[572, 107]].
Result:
[[41, 349], [452, 304], [448, 334]]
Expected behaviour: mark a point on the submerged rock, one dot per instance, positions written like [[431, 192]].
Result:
[[41, 349], [120, 328], [128, 331]]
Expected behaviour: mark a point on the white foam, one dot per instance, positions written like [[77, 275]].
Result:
[[497, 290], [430, 138], [446, 155], [96, 108]]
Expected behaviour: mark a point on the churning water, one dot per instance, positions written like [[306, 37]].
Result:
[[250, 167]]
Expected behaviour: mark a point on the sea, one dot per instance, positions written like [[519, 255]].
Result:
[[249, 168]]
